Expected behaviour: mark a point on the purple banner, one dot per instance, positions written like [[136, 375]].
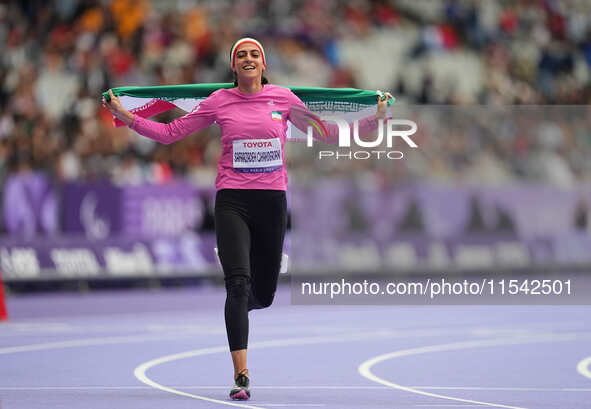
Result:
[[328, 208], [92, 209], [166, 210], [336, 208], [420, 254], [103, 210], [193, 254], [30, 205], [77, 257]]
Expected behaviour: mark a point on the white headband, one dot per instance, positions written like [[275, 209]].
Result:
[[246, 40]]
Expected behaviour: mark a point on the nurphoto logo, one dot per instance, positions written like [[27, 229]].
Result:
[[390, 133]]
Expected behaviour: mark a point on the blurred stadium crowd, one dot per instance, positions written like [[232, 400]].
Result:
[[56, 57]]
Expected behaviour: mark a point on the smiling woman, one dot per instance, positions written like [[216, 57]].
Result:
[[250, 204], [248, 58]]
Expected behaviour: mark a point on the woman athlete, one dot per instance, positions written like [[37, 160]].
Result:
[[250, 204]]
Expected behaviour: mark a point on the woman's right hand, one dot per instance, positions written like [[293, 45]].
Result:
[[114, 106]]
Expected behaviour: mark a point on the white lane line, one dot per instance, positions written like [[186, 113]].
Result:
[[292, 404], [365, 368], [500, 388], [446, 405], [88, 342], [36, 327], [418, 332], [584, 367], [140, 371], [45, 388], [300, 387]]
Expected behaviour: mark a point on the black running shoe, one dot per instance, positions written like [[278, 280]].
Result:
[[241, 389]]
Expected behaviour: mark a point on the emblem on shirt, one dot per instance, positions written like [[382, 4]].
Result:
[[271, 103], [276, 115]]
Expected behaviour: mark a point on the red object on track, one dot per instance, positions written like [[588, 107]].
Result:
[[3, 314]]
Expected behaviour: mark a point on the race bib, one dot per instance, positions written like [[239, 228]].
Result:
[[257, 155]]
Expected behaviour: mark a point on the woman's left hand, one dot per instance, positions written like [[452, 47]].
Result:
[[114, 106], [383, 99]]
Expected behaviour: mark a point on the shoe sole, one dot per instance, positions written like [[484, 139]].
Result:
[[241, 395]]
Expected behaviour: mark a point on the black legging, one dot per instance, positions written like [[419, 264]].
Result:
[[250, 226]]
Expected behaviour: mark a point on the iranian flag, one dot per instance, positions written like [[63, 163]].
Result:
[[346, 103]]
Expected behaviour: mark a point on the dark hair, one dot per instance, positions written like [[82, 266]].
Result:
[[264, 80]]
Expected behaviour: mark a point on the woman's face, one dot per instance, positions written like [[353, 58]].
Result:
[[248, 62]]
